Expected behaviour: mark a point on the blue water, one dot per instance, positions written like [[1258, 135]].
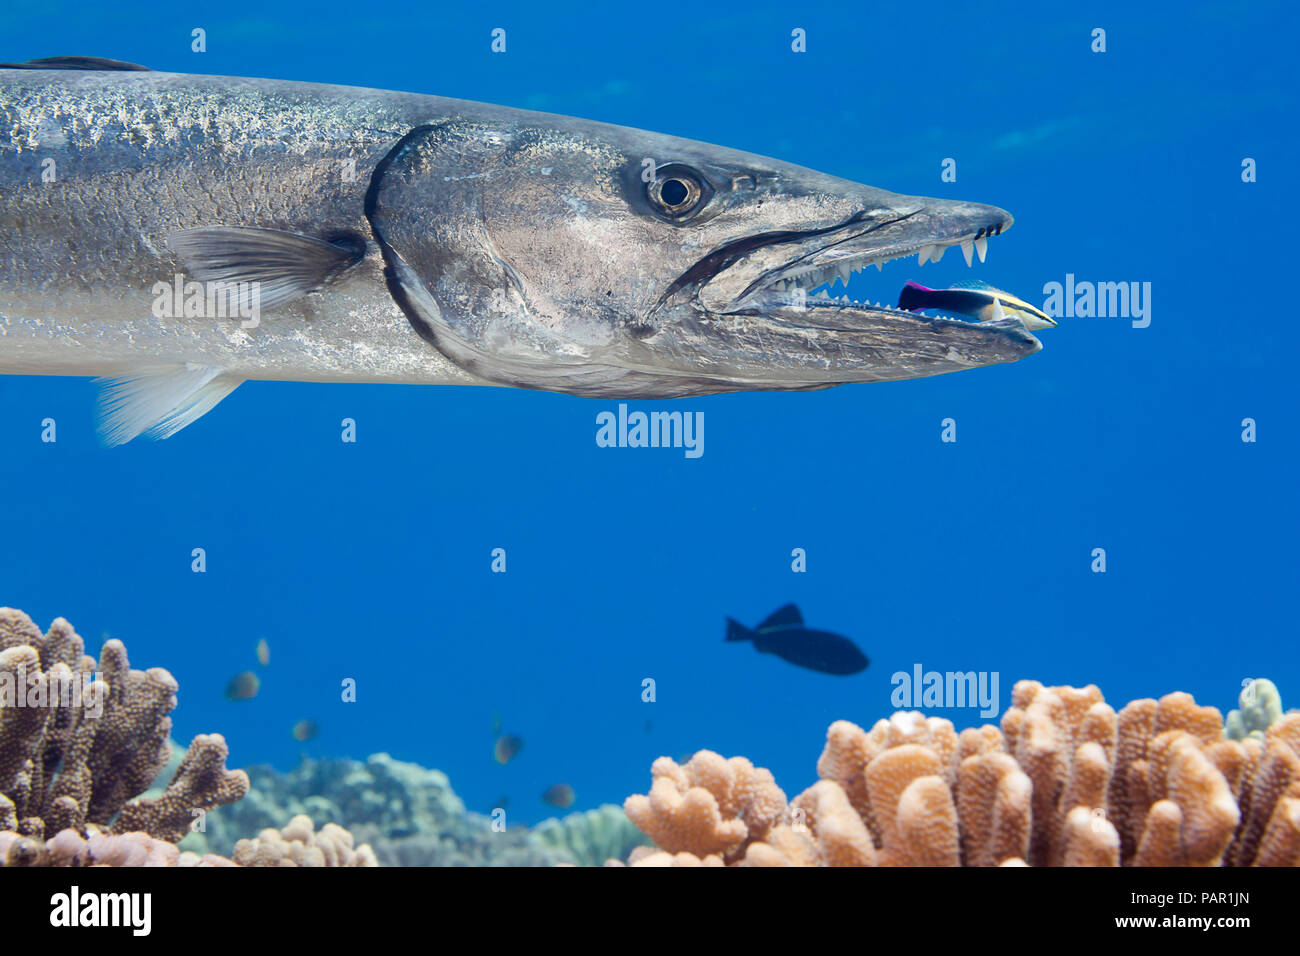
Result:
[[372, 560]]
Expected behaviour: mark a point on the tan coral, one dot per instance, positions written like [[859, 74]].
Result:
[[993, 801], [68, 848], [1063, 738], [784, 846], [1089, 839], [659, 858], [707, 806], [850, 750], [837, 832], [1065, 781], [299, 844], [1274, 779], [926, 821]]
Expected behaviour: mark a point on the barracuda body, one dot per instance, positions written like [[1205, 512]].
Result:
[[362, 235]]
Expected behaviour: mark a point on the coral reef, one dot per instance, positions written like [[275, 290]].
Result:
[[1065, 781], [592, 837], [408, 814], [299, 845], [1260, 705], [80, 741], [709, 806], [99, 848]]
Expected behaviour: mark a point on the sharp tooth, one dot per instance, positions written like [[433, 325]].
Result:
[[998, 314], [938, 253], [923, 256], [880, 267], [845, 272], [982, 247], [967, 247]]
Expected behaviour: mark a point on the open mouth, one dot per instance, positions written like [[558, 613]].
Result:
[[811, 279]]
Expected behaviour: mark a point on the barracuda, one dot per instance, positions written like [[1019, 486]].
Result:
[[393, 237]]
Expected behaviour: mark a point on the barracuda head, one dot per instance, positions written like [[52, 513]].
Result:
[[558, 254]]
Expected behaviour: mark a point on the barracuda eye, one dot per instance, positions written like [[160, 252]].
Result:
[[678, 192]]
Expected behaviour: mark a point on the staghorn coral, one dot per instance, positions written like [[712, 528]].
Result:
[[79, 741], [1065, 781], [201, 782]]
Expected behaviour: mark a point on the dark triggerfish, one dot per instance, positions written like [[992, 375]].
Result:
[[784, 635]]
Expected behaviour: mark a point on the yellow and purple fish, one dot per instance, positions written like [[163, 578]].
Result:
[[978, 300]]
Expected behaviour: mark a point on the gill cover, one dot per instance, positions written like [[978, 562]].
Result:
[[459, 208]]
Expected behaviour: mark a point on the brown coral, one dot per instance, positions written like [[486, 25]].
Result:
[[79, 741], [1065, 781]]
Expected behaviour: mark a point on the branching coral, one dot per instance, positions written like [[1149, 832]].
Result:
[[79, 741], [409, 814], [709, 806], [1065, 781]]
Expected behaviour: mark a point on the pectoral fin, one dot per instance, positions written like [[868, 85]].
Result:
[[280, 266], [159, 402]]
